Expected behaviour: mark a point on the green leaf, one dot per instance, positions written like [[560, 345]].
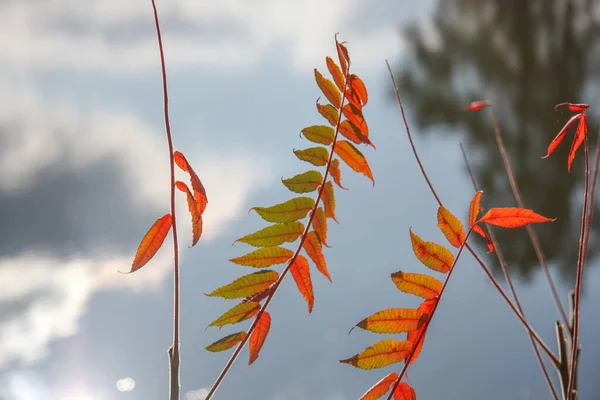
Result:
[[246, 285], [319, 134], [274, 235], [239, 313], [317, 156], [264, 257], [306, 182], [289, 211], [227, 342]]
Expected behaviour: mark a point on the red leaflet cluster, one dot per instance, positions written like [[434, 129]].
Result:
[[197, 202], [346, 96], [580, 133], [416, 321]]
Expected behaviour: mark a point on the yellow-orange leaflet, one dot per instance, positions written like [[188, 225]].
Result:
[[474, 208], [312, 247], [336, 73], [329, 89], [433, 255], [451, 227], [381, 354], [301, 274], [404, 392], [238, 313], [193, 209], [227, 342], [392, 320], [354, 158], [420, 285]]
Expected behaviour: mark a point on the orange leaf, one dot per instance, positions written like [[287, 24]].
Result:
[[404, 392], [336, 174], [418, 284], [343, 56], [329, 112], [474, 208], [336, 73], [425, 310], [433, 255], [381, 354], [312, 246], [580, 135], [329, 201], [480, 231], [573, 107], [199, 191], [319, 223], [329, 89], [257, 339], [151, 242], [352, 132], [359, 88], [512, 217], [354, 158], [193, 209], [561, 135], [301, 274], [392, 320], [380, 388], [355, 116], [451, 227]]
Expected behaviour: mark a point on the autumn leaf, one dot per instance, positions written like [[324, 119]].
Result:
[[573, 107], [151, 242], [274, 235], [418, 284], [319, 134], [404, 392], [425, 309], [474, 208], [334, 171], [392, 320], [478, 105], [264, 257], [193, 209], [329, 201], [580, 135], [319, 224], [246, 285], [257, 339], [451, 227], [336, 73], [317, 156], [312, 247], [197, 186], [289, 211], [238, 313], [301, 274], [343, 56], [353, 158], [354, 115], [359, 88], [433, 255], [263, 294], [381, 354], [329, 89], [352, 132], [512, 217], [305, 182], [227, 342], [380, 388], [329, 112]]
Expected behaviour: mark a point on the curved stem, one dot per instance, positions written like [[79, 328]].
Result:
[[579, 279], [276, 285], [509, 280], [174, 358]]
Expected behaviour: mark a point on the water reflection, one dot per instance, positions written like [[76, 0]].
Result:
[[525, 56]]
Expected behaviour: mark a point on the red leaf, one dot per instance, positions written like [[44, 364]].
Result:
[[479, 230], [580, 135], [404, 392], [478, 105], [301, 273], [359, 89], [561, 135], [573, 107], [199, 191], [151, 242], [380, 388], [257, 339], [511, 217], [193, 209]]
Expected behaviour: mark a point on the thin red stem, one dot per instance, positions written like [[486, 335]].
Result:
[[511, 286], [532, 235], [174, 358], [486, 270], [276, 285], [579, 279]]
